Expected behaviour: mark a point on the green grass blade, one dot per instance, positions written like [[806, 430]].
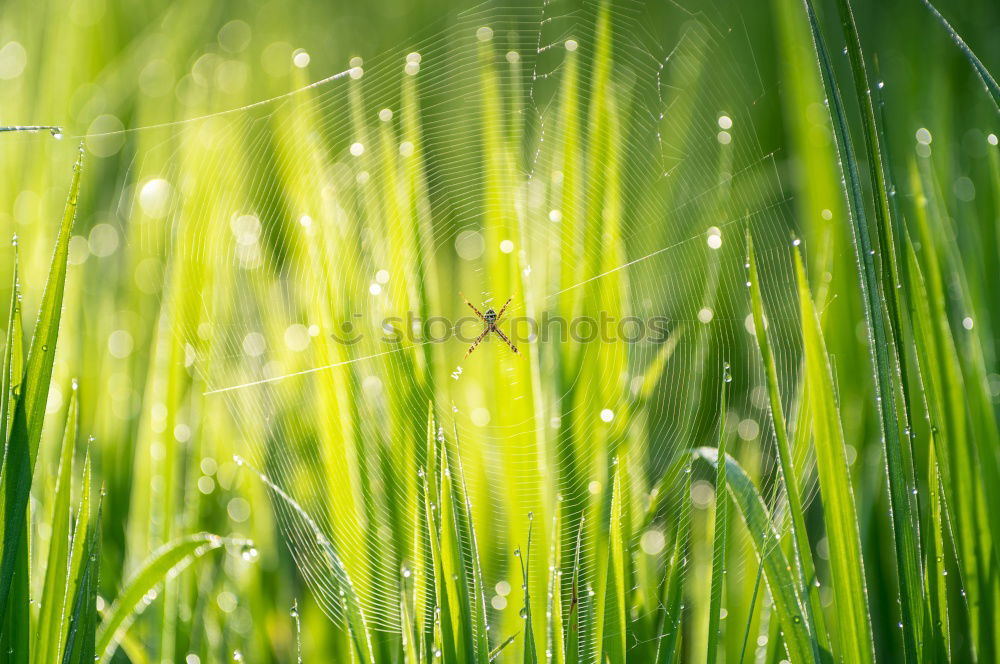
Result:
[[721, 523], [82, 625], [453, 570], [29, 412], [463, 507], [556, 624], [615, 618], [530, 654], [984, 74], [77, 556], [887, 342], [672, 590], [788, 605], [14, 628], [840, 514], [500, 648], [573, 615], [55, 589], [409, 640], [164, 563], [13, 360], [801, 551]]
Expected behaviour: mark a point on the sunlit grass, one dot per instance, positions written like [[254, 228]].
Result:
[[823, 488]]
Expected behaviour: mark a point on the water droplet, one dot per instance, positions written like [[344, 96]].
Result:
[[726, 373], [523, 613]]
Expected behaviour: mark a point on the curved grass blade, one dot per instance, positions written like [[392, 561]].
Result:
[[357, 625], [839, 512], [164, 563], [984, 74], [788, 605]]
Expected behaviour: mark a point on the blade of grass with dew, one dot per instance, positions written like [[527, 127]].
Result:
[[615, 619], [801, 551], [453, 571], [530, 655], [976, 399], [672, 588], [984, 74], [409, 634], [573, 615], [443, 621], [29, 411], [555, 623], [467, 533], [14, 628], [940, 369], [936, 571], [13, 362], [500, 648], [839, 512], [886, 336], [82, 623], [721, 524], [55, 589], [167, 561], [788, 603], [353, 613], [77, 554]]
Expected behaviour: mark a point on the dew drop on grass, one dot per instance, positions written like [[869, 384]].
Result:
[[726, 373], [249, 552], [523, 613]]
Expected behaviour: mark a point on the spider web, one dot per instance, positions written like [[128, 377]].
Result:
[[441, 167]]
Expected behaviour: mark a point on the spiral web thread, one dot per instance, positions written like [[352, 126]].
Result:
[[315, 208]]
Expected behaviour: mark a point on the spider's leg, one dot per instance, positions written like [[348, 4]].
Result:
[[473, 307], [506, 340], [476, 342], [503, 308]]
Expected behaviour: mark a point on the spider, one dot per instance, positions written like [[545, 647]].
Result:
[[491, 318]]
